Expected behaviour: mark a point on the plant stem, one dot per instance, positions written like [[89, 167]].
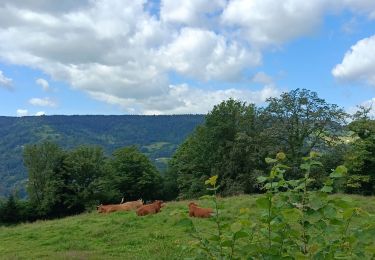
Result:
[[218, 222], [304, 237], [269, 217]]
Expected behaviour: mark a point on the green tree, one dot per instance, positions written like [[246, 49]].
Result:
[[9, 211], [134, 175], [229, 144], [299, 121], [84, 169], [360, 160], [44, 165]]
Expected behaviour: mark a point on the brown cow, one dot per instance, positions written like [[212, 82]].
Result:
[[106, 208], [195, 211], [152, 208], [133, 204], [120, 207]]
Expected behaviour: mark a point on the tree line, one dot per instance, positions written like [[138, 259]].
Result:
[[233, 142], [236, 137], [66, 182]]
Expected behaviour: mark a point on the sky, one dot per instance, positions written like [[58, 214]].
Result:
[[181, 57]]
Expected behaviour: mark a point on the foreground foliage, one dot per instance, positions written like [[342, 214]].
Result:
[[293, 223]]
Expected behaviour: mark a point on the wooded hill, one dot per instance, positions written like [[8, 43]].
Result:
[[156, 136]]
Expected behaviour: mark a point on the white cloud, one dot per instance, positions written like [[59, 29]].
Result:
[[43, 102], [182, 99], [5, 82], [205, 55], [40, 113], [270, 22], [22, 112], [43, 83], [358, 63], [192, 13]]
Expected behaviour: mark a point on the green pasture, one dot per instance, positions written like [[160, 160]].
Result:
[[122, 235]]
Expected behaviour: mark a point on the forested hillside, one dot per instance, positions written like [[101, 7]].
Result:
[[156, 136]]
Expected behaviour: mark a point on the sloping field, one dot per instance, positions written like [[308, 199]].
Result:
[[120, 235]]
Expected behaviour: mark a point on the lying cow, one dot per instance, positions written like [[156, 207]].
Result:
[[195, 211], [133, 204], [152, 208], [127, 206]]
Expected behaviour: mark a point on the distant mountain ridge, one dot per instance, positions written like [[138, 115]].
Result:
[[156, 136]]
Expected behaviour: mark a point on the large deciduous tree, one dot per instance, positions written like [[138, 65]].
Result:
[[84, 171], [360, 160], [299, 121], [134, 175], [228, 144], [44, 166]]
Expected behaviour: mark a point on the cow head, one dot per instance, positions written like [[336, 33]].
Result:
[[100, 208], [193, 204]]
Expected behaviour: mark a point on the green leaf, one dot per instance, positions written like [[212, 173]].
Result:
[[227, 243], [316, 203], [292, 214], [280, 156], [329, 211], [263, 202], [235, 227], [214, 238], [240, 234], [305, 166], [261, 179], [327, 189], [270, 160], [348, 213], [316, 163], [212, 180]]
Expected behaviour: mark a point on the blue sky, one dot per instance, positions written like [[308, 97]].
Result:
[[171, 57]]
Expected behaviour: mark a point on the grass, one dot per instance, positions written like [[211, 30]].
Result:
[[120, 235]]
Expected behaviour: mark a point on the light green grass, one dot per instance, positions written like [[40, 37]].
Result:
[[120, 235]]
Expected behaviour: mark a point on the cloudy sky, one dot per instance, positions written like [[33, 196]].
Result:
[[172, 57]]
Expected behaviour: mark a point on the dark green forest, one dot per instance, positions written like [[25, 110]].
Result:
[[155, 136], [71, 173]]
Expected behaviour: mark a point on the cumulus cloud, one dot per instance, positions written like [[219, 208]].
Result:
[[182, 99], [265, 22], [121, 53], [43, 83], [42, 102], [22, 112], [358, 63], [205, 55], [192, 13], [271, 22], [5, 82]]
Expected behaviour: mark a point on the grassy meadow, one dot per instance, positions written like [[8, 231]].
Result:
[[122, 235]]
